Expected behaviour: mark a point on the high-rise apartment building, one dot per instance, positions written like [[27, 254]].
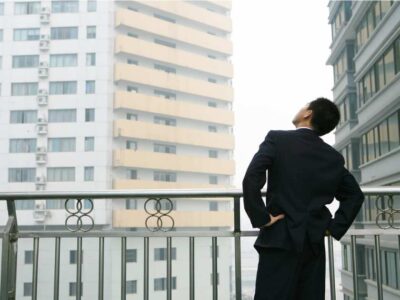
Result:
[[118, 95], [366, 62]]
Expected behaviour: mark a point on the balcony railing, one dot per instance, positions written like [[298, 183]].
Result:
[[386, 223]]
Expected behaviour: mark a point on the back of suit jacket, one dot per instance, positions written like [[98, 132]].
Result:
[[304, 175]]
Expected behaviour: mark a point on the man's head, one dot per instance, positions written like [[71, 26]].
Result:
[[322, 115]]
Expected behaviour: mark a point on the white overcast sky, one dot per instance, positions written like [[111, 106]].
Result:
[[280, 49]]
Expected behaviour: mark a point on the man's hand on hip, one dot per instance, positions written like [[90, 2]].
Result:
[[273, 219]]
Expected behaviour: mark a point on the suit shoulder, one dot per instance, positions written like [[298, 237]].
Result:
[[335, 152]]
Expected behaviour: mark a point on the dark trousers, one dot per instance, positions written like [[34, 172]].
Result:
[[287, 275]]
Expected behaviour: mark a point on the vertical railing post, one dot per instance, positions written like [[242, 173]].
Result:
[[9, 255], [331, 268], [56, 292], [238, 262], [354, 266], [214, 251], [169, 268], [146, 268], [378, 263], [79, 269], [35, 267], [191, 268], [101, 268], [123, 268]]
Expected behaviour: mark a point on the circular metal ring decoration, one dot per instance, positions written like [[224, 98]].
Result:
[[158, 214], [78, 214], [390, 211]]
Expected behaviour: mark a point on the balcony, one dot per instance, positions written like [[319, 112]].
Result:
[[79, 226]]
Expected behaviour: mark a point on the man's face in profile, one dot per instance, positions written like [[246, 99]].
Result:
[[300, 115]]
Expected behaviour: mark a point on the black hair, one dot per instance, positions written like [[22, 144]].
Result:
[[325, 116]]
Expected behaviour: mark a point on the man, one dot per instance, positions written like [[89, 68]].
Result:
[[304, 174]]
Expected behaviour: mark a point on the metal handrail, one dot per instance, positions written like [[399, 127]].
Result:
[[11, 234]]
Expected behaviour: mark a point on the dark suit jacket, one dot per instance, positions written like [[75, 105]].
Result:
[[304, 174]]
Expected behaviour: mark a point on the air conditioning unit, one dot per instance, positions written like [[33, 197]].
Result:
[[42, 100], [43, 72], [40, 180], [41, 150], [40, 213], [41, 120], [45, 10], [44, 37], [43, 64], [41, 158], [42, 129], [44, 19], [42, 92]]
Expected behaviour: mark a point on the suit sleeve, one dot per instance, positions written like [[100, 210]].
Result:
[[350, 199], [254, 180]]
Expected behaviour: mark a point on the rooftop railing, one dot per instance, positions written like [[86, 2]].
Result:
[[386, 223]]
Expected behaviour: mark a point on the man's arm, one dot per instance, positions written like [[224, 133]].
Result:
[[255, 179], [351, 198]]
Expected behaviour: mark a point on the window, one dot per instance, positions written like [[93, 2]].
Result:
[[388, 59], [213, 153], [89, 115], [27, 289], [161, 254], [90, 86], [346, 257], [131, 287], [62, 115], [89, 143], [89, 174], [131, 255], [130, 116], [134, 35], [370, 257], [64, 6], [391, 267], [26, 34], [164, 18], [131, 204], [340, 66], [383, 137], [63, 60], [212, 80], [212, 128], [165, 43], [61, 174], [90, 32], [212, 179], [61, 144], [160, 284], [25, 204], [28, 257], [213, 205], [165, 205], [24, 88], [25, 61], [132, 145], [22, 145], [64, 33], [163, 148], [166, 69], [90, 59], [164, 176], [26, 8], [165, 121], [73, 257], [23, 116], [21, 175], [397, 54], [91, 5], [133, 89], [72, 289], [166, 95], [212, 104], [393, 125], [130, 61], [63, 87]]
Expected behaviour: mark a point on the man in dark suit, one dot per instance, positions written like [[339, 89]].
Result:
[[304, 174]]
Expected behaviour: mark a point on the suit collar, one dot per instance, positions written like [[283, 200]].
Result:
[[307, 130]]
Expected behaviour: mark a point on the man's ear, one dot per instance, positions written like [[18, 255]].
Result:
[[308, 114]]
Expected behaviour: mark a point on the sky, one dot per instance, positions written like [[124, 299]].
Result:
[[280, 49]]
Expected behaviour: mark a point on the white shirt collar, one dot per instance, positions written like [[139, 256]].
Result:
[[304, 127]]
